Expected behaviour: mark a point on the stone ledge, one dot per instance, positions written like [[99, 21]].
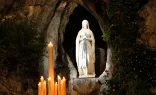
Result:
[[85, 85]]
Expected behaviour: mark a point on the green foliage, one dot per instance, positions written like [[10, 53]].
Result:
[[123, 16], [21, 47], [136, 71], [108, 35], [135, 64]]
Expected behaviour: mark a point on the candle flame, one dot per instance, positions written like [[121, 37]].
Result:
[[58, 77], [42, 78], [44, 82], [49, 78], [50, 44], [39, 83]]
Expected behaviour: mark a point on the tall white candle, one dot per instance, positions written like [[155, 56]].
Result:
[[59, 85], [56, 88], [64, 85], [39, 88], [42, 84], [44, 88], [51, 65], [49, 86]]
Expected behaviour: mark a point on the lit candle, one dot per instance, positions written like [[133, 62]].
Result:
[[42, 85], [59, 85], [50, 60], [44, 88], [64, 84], [62, 87], [51, 65], [55, 88], [49, 86], [39, 88]]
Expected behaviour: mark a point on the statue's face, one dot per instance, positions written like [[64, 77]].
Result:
[[85, 24]]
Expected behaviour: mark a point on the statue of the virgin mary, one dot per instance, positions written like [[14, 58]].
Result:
[[85, 51]]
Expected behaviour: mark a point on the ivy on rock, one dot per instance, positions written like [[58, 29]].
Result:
[[134, 64], [21, 48]]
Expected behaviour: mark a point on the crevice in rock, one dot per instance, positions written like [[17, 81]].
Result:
[[71, 31]]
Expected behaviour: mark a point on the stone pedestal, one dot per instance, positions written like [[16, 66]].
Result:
[[88, 76], [86, 86]]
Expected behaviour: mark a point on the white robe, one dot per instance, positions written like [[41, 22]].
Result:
[[85, 52]]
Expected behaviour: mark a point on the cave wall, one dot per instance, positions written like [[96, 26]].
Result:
[[148, 12], [71, 31], [52, 16], [52, 19]]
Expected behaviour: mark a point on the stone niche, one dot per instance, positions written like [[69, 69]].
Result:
[[91, 85], [71, 31]]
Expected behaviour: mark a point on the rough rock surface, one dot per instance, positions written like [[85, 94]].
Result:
[[86, 86], [100, 62], [52, 16], [149, 13]]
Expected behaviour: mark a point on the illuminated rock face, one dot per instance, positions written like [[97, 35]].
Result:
[[148, 36], [52, 16]]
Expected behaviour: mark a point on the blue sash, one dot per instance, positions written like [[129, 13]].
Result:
[[84, 53]]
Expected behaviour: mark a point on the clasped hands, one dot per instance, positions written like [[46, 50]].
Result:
[[82, 38]]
